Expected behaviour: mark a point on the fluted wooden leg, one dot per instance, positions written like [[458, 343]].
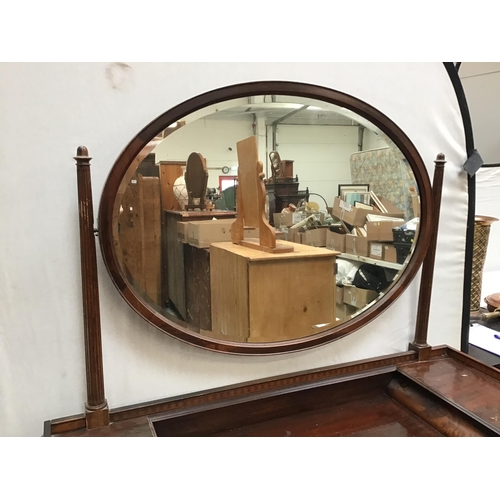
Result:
[[424, 300], [96, 407]]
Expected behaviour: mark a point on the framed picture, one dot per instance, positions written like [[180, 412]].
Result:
[[352, 193]]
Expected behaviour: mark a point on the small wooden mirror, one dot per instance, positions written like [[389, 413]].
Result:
[[251, 202]]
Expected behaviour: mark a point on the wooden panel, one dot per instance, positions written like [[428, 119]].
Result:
[[149, 189], [169, 173], [130, 233], [436, 411], [229, 284], [248, 180], [198, 292], [472, 389], [139, 235], [174, 250], [299, 252], [378, 416], [286, 293], [224, 416], [135, 427], [288, 298]]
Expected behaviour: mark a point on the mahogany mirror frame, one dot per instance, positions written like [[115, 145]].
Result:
[[148, 133]]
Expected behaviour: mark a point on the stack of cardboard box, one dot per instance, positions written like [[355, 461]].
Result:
[[306, 235], [368, 239], [381, 240]]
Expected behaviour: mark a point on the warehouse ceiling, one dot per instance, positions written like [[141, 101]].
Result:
[[286, 110]]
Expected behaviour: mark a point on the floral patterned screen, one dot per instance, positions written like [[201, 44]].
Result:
[[388, 174]]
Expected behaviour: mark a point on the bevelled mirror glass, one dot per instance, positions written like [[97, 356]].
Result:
[[341, 190]]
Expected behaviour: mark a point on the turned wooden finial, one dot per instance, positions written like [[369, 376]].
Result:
[[82, 156], [82, 151], [440, 161]]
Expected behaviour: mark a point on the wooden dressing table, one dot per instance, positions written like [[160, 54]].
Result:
[[424, 391]]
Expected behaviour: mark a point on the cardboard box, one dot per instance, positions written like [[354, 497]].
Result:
[[182, 232], [294, 235], [283, 219], [202, 234], [298, 237], [357, 297], [344, 311], [390, 253], [383, 251], [335, 241], [382, 230], [415, 203], [376, 250], [339, 294], [357, 216], [315, 237], [349, 213], [356, 245]]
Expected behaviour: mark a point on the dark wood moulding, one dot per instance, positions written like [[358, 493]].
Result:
[[157, 319], [424, 298]]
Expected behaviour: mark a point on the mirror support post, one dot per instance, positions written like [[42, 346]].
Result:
[[424, 300], [96, 407]]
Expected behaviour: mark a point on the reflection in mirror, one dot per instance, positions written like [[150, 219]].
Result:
[[336, 188]]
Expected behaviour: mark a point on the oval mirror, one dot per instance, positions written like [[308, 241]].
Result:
[[342, 188]]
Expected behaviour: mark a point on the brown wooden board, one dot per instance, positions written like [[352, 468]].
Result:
[[198, 292], [169, 173], [151, 241], [129, 233]]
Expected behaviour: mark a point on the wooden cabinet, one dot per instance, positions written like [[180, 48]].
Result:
[[174, 250], [283, 192], [263, 297], [197, 285]]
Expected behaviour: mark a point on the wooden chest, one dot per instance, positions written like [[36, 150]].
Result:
[[173, 266], [263, 297]]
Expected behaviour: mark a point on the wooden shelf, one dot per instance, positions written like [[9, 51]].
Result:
[[367, 260]]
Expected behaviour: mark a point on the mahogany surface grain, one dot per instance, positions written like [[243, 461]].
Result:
[[474, 390], [134, 427], [378, 416], [214, 418]]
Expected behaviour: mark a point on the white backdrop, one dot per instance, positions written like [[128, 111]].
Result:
[[48, 109]]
